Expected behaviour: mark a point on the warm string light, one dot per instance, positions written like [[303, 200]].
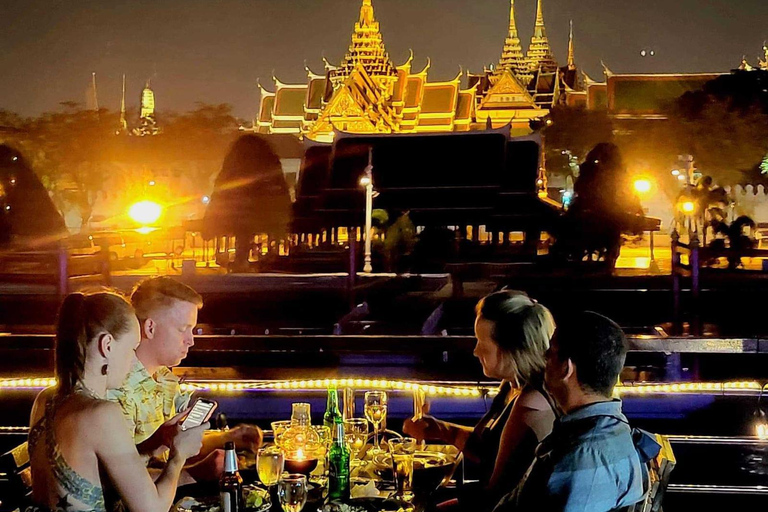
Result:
[[405, 386], [390, 385]]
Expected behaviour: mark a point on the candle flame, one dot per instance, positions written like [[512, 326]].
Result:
[[299, 454]]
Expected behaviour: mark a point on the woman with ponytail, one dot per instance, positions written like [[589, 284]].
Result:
[[81, 451], [513, 333]]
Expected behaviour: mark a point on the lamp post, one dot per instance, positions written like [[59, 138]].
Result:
[[367, 182]]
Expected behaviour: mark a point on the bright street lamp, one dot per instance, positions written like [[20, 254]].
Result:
[[642, 186], [145, 212], [367, 182]]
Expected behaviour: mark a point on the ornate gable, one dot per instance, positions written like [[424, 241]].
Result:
[[507, 92]]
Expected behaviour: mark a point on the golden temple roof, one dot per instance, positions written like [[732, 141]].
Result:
[[539, 53], [512, 58], [367, 49]]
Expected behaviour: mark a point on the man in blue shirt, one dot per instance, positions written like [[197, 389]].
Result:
[[589, 461]]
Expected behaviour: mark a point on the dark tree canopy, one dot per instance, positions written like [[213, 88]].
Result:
[[725, 126], [250, 196], [27, 214]]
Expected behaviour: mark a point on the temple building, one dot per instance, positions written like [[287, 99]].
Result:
[[147, 122], [629, 97], [368, 93]]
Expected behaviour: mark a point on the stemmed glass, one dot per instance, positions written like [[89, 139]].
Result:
[[402, 451], [269, 464], [356, 435], [376, 412], [292, 492]]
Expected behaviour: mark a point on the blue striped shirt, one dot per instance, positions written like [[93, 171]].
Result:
[[588, 463]]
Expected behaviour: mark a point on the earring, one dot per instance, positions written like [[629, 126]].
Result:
[[105, 369]]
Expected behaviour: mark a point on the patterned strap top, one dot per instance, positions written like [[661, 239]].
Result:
[[75, 492]]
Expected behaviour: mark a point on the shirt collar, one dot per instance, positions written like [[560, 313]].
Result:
[[607, 408], [143, 376]]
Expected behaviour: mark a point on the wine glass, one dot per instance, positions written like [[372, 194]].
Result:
[[402, 451], [356, 435], [292, 492], [376, 412], [269, 464]]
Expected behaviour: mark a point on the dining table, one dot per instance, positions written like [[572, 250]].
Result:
[[373, 487]]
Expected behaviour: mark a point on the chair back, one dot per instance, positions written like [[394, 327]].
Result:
[[655, 486], [16, 475]]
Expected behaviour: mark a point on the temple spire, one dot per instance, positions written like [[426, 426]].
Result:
[[512, 58], [366, 13], [539, 53], [571, 51], [123, 121], [367, 49]]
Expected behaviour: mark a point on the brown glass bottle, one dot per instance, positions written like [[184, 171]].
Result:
[[231, 483]]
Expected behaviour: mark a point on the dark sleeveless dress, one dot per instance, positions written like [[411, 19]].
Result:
[[482, 447]]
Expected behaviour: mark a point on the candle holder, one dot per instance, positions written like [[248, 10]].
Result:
[[302, 466]]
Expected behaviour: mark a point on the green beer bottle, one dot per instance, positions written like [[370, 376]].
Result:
[[338, 464], [332, 410]]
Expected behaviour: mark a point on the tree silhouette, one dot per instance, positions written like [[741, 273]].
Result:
[[604, 206], [27, 214], [250, 196]]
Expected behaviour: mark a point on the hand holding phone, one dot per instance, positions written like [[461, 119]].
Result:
[[201, 412]]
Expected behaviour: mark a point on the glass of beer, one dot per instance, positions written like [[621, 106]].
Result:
[[269, 464], [402, 451], [356, 435], [376, 412], [292, 492]]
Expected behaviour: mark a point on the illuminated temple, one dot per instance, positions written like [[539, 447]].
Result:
[[368, 93]]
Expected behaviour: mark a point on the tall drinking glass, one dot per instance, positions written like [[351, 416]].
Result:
[[292, 492], [376, 412], [269, 464], [278, 429], [402, 451], [356, 435]]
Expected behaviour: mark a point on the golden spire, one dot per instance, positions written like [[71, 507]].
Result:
[[512, 58], [366, 13], [539, 53], [571, 51], [367, 49], [123, 122]]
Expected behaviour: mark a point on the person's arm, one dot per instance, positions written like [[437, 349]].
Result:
[[245, 437], [115, 450], [432, 429], [38, 408]]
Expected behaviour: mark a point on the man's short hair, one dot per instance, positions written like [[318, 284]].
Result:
[[597, 347], [158, 292]]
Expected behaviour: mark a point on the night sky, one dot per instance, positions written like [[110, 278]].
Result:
[[214, 50]]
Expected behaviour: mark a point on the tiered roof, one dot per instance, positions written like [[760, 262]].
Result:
[[512, 58], [539, 53], [367, 49]]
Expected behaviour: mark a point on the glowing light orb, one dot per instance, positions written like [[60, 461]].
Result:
[[688, 207], [642, 186], [145, 212]]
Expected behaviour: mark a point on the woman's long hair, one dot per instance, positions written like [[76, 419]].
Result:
[[82, 319], [522, 329]]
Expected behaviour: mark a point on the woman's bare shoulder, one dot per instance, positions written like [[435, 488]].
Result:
[[531, 398]]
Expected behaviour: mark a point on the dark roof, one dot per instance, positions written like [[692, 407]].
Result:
[[441, 179]]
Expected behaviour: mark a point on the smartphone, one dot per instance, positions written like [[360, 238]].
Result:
[[201, 412]]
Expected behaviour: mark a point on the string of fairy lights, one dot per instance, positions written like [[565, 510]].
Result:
[[429, 389]]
